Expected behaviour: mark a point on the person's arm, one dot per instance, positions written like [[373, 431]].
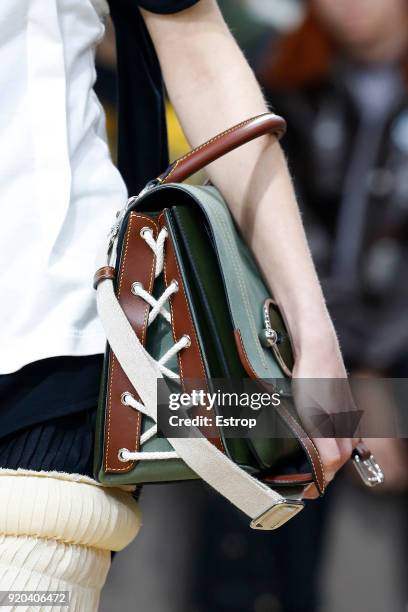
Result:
[[212, 88]]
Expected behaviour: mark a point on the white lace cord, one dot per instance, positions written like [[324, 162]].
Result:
[[157, 307], [125, 454], [157, 246]]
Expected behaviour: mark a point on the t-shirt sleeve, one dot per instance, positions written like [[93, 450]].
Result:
[[166, 6]]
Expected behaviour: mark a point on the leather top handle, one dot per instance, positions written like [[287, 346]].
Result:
[[227, 141]]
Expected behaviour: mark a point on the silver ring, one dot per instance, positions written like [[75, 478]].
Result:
[[188, 340], [136, 284], [145, 229], [123, 396], [120, 455]]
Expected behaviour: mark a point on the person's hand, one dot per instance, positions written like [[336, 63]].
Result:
[[326, 408]]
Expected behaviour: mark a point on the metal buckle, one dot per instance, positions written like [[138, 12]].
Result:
[[278, 515], [368, 469]]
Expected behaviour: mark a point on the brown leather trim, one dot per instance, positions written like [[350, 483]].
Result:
[[294, 426], [243, 354], [308, 446], [107, 272], [191, 365], [223, 143], [289, 479], [123, 423]]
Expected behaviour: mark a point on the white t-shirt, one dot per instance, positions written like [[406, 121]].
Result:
[[59, 189]]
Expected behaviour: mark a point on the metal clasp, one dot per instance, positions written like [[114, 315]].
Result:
[[269, 337], [368, 469], [120, 215], [278, 515]]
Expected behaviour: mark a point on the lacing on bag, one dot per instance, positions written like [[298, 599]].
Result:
[[157, 308]]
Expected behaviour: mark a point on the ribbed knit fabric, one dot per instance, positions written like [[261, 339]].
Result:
[[64, 444], [34, 564], [56, 533]]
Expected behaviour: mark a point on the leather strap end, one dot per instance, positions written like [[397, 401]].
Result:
[[106, 272]]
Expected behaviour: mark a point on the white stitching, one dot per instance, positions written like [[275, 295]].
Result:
[[297, 426], [230, 246], [129, 466], [209, 142]]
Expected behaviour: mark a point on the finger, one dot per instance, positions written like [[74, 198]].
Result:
[[331, 455], [334, 453]]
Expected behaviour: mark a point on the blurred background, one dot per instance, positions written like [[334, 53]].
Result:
[[337, 70]]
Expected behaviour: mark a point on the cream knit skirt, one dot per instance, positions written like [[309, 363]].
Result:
[[56, 534]]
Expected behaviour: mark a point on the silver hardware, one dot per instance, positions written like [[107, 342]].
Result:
[[120, 455], [269, 337], [278, 515], [150, 185], [187, 337], [120, 215], [134, 285], [123, 397], [144, 230], [368, 469]]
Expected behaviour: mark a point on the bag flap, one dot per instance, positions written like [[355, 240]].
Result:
[[246, 291]]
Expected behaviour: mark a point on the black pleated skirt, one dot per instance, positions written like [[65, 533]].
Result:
[[64, 444], [47, 415]]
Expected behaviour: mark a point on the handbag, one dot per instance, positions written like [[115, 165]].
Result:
[[181, 299]]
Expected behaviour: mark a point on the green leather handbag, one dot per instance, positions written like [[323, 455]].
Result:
[[181, 299]]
